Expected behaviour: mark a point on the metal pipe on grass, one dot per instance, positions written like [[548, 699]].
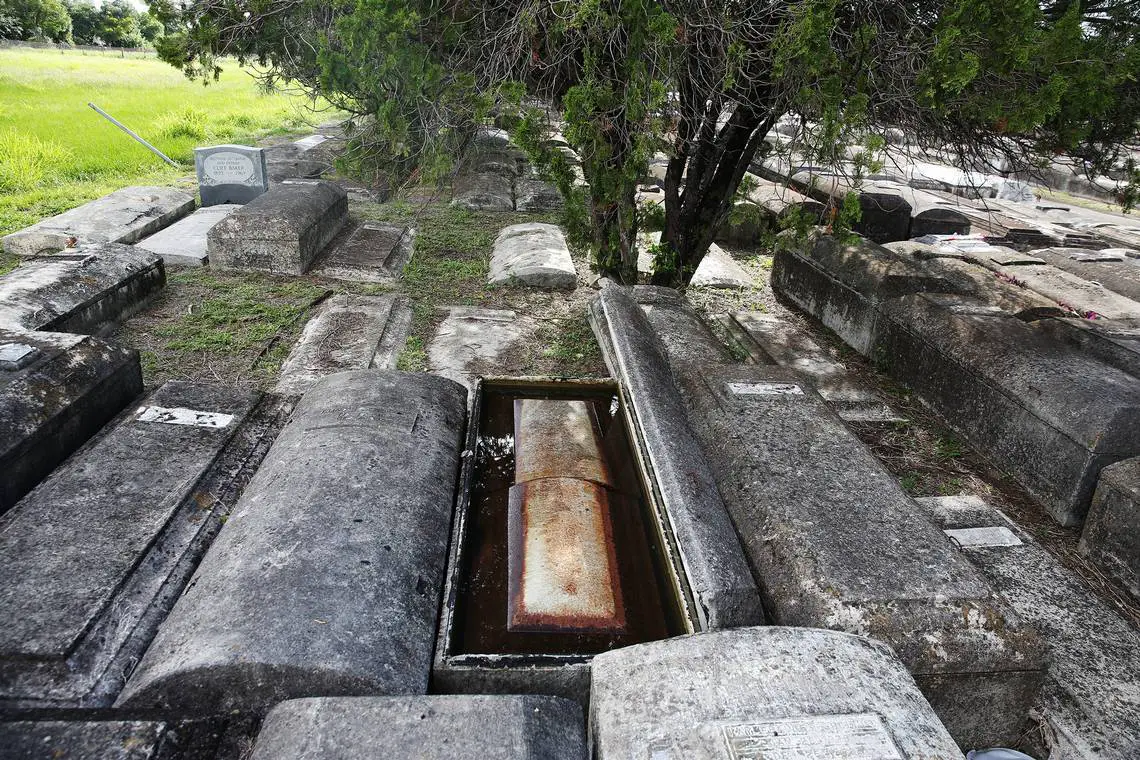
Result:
[[123, 127]]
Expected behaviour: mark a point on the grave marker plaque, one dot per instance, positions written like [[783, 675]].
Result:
[[230, 174]]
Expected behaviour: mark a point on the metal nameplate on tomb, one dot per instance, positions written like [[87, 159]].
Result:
[[858, 736], [15, 356], [988, 536], [765, 389], [181, 416]]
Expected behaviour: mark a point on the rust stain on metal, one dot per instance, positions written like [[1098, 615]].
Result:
[[558, 438], [562, 564]]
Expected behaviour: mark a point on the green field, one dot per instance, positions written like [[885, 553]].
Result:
[[56, 153]]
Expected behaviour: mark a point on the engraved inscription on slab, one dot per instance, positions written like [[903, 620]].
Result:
[[858, 736], [228, 168], [765, 389], [181, 416]]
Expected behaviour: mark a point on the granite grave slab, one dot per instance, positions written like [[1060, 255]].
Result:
[[369, 252], [1088, 707], [326, 578], [842, 284], [123, 216], [1111, 536], [717, 573], [532, 254]]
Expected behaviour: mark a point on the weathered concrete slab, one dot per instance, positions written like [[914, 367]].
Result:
[[1115, 342], [719, 270], [50, 406], [1086, 297], [307, 158], [1047, 413], [349, 332], [80, 292], [1088, 707], [780, 200], [762, 693], [835, 543], [932, 214], [88, 552], [536, 195], [532, 254], [81, 740], [412, 728], [716, 270], [971, 279], [326, 578], [184, 242], [782, 342], [483, 192], [1111, 537], [1113, 271], [842, 285], [717, 572], [682, 333], [123, 216], [281, 230], [371, 252], [471, 342]]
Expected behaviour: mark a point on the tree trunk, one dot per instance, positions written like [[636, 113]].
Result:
[[694, 215], [615, 237]]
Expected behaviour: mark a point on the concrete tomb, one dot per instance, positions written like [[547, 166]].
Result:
[[532, 254], [79, 292], [53, 398], [83, 740], [1088, 707], [537, 195], [282, 230], [835, 543], [414, 728], [1047, 413], [842, 284], [326, 578], [716, 270], [761, 693], [717, 574], [184, 242], [1111, 537], [1085, 297], [370, 252], [230, 174], [483, 192], [123, 216], [1114, 271], [307, 158], [93, 556], [557, 549], [348, 332], [769, 339], [1116, 342]]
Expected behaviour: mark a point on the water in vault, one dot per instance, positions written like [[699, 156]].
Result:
[[481, 606]]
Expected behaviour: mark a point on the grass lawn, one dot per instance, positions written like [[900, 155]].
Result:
[[56, 153]]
